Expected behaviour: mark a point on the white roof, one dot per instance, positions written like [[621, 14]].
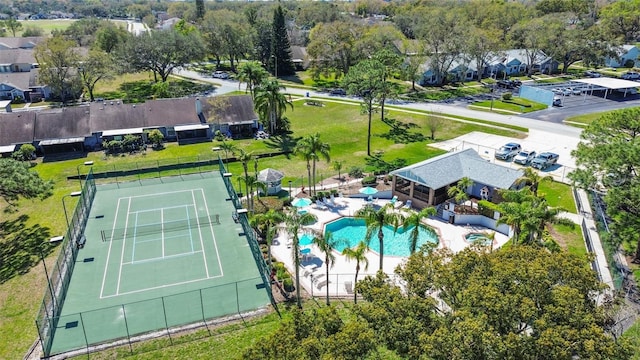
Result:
[[4, 103], [122, 132], [191, 127], [61, 141], [609, 83], [7, 149]]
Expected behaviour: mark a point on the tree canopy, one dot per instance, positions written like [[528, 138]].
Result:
[[17, 180]]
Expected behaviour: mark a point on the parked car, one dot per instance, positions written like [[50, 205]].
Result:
[[524, 157], [592, 74], [544, 160], [566, 91], [508, 151], [631, 75], [557, 101], [220, 75], [338, 92], [576, 91]]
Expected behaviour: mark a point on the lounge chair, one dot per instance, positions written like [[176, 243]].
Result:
[[332, 199], [398, 204], [348, 287], [394, 199], [322, 284], [408, 204], [320, 205]]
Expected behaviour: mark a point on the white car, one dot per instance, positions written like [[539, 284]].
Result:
[[220, 75], [631, 75], [524, 157], [576, 91]]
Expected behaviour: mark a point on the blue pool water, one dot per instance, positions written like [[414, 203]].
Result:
[[348, 232], [305, 240], [478, 238]]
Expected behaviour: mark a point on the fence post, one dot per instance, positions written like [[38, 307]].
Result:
[[84, 332], [126, 328], [202, 309], [166, 325]]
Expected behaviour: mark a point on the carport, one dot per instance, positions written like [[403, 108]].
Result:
[[7, 150], [609, 84], [60, 146]]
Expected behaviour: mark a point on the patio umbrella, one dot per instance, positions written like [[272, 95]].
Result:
[[301, 202], [368, 190]]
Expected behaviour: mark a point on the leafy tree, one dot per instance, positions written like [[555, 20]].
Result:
[[109, 36], [251, 182], [244, 158], [305, 153], [434, 123], [359, 255], [160, 52], [481, 47], [26, 152], [280, 47], [13, 25], [30, 31], [96, 66], [609, 148], [83, 31], [294, 221], [156, 138], [265, 224], [217, 106], [326, 244], [333, 47], [414, 221], [253, 74], [316, 149], [622, 19], [227, 36], [530, 36], [271, 104], [376, 220], [200, 9], [16, 180], [390, 62], [366, 81], [58, 63]]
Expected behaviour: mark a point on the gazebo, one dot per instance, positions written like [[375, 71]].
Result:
[[273, 179]]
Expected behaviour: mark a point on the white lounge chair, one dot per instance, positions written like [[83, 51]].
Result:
[[320, 205], [322, 284], [398, 204], [348, 287]]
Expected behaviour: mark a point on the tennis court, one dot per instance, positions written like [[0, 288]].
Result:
[[158, 255]]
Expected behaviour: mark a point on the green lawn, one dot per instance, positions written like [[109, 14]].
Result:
[[518, 105], [558, 194], [633, 335], [46, 25], [586, 119], [570, 239]]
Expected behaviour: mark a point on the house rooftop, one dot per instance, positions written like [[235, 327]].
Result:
[[448, 168]]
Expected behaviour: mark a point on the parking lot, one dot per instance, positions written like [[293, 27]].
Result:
[[487, 144]]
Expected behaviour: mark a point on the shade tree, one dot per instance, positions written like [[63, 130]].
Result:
[[18, 180]]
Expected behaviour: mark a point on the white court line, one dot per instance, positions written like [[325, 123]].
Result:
[[189, 225], [156, 194], [106, 265], [162, 208], [204, 255], [162, 230], [135, 232], [213, 235], [124, 243], [143, 261], [162, 286]]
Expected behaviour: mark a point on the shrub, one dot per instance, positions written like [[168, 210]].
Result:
[[507, 96], [369, 180], [356, 172]]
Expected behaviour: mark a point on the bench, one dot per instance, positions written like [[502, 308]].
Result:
[[314, 103]]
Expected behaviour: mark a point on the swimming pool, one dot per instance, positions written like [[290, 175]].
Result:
[[348, 232], [478, 238]]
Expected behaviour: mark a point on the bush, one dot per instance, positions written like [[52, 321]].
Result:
[[369, 180], [507, 96], [356, 172]]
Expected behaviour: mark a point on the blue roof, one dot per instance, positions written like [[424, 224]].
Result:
[[448, 168]]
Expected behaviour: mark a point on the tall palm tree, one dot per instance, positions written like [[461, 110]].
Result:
[[271, 103], [533, 179], [305, 153], [459, 191], [266, 224], [250, 182], [541, 215], [359, 254], [515, 215], [316, 149], [252, 73], [326, 244], [244, 158], [228, 147], [294, 221], [415, 219], [376, 220]]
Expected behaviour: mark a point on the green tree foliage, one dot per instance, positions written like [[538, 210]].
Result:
[[253, 74], [156, 138], [200, 10], [413, 221], [530, 35], [366, 81], [376, 220], [109, 36], [226, 36], [294, 221], [316, 150], [58, 66], [622, 19], [160, 52], [359, 255], [12, 25], [17, 180], [609, 149], [26, 152], [281, 63], [271, 104], [522, 302], [30, 31], [481, 47], [96, 66], [333, 47], [326, 243], [83, 31]]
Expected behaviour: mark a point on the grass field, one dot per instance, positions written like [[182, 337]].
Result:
[[518, 105], [570, 238], [46, 25], [558, 195]]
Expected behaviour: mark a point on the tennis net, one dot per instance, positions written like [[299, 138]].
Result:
[[157, 228]]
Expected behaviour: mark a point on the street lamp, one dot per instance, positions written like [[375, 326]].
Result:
[[64, 207], [290, 197], [86, 163]]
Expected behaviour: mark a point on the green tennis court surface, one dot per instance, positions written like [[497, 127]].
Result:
[[158, 256]]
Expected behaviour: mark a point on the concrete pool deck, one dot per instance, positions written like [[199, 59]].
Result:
[[341, 274]]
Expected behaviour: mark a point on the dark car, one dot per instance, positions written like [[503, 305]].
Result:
[[338, 92]]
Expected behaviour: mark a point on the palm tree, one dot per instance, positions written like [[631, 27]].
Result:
[[359, 254], [245, 157], [533, 179], [542, 215], [314, 149], [415, 219], [337, 166], [515, 215], [265, 224], [252, 73], [228, 147], [305, 153], [459, 191], [271, 103], [250, 182], [294, 221], [326, 244], [376, 220]]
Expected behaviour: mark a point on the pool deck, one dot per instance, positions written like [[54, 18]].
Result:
[[341, 274]]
